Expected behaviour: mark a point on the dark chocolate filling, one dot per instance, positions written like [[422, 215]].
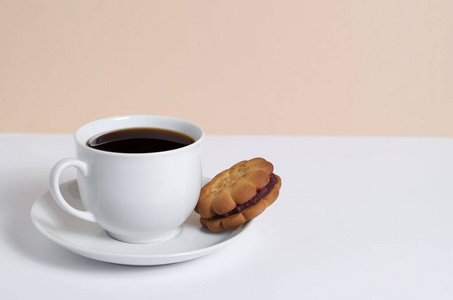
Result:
[[259, 195]]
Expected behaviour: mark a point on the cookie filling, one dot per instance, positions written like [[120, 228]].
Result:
[[259, 195]]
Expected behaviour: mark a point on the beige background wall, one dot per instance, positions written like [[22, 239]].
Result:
[[334, 67]]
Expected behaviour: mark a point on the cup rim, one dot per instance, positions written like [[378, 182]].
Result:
[[84, 145]]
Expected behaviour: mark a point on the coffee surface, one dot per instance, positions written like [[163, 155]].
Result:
[[140, 140]]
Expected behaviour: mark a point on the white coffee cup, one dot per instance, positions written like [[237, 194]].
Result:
[[139, 197]]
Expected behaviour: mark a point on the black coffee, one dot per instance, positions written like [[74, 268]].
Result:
[[140, 140]]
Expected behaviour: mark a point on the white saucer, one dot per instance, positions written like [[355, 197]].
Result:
[[90, 240]]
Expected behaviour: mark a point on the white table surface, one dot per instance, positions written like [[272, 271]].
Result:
[[357, 218]]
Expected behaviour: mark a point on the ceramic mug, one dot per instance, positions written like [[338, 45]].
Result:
[[136, 198]]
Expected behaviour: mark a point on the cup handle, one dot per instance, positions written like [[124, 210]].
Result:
[[55, 186]]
